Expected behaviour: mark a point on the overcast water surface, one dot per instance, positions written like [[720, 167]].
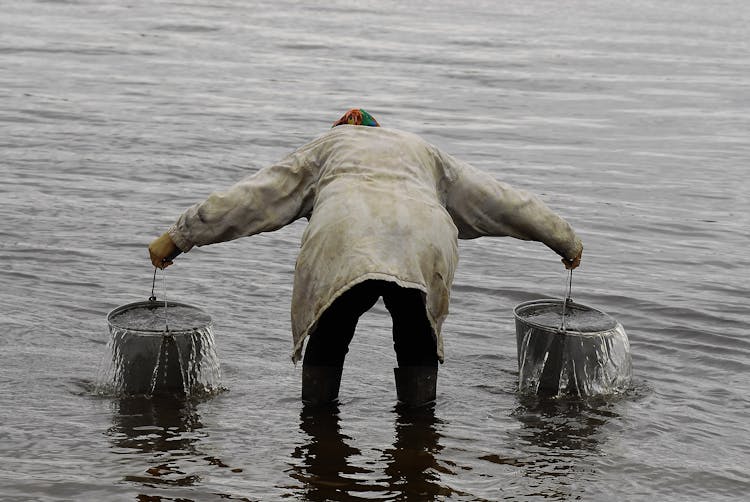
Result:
[[631, 119]]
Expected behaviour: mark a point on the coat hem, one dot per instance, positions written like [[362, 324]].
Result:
[[299, 341]]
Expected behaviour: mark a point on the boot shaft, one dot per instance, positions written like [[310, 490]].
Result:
[[320, 384], [416, 385]]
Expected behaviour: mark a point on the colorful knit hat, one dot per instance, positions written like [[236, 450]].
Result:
[[357, 116]]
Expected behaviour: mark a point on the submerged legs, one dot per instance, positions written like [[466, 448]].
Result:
[[413, 340]]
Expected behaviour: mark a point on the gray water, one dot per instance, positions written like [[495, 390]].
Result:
[[629, 118]]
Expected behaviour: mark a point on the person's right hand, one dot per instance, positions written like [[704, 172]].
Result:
[[573, 263], [163, 250]]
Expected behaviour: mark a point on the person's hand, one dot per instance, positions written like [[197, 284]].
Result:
[[572, 263], [162, 251]]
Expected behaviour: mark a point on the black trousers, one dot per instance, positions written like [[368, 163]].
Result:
[[413, 338]]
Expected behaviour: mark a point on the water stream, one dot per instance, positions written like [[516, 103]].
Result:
[[590, 357], [147, 359]]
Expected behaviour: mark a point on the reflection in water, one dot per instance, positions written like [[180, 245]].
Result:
[[413, 472], [565, 424], [325, 470], [556, 435], [325, 462], [166, 430]]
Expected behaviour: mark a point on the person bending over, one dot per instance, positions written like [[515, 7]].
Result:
[[385, 209]]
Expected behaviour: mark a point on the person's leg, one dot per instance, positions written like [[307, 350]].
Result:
[[413, 337], [328, 344], [415, 344]]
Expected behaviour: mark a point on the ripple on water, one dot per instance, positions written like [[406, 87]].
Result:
[[630, 120]]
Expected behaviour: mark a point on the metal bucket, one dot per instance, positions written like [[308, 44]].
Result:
[[587, 355], [158, 350]]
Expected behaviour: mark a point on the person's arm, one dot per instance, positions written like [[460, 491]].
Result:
[[268, 200], [480, 205]]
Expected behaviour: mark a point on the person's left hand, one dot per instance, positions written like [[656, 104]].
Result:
[[573, 263], [163, 250]]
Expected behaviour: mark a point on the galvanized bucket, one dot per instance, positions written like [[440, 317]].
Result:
[[566, 348], [159, 349]]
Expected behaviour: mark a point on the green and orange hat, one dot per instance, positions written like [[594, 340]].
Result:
[[357, 116]]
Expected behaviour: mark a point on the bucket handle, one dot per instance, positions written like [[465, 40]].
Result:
[[566, 300], [152, 298]]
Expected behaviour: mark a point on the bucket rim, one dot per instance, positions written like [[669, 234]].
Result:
[[145, 303], [557, 301]]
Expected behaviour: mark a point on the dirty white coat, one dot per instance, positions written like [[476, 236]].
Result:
[[381, 204]]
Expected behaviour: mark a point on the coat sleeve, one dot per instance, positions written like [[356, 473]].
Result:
[[480, 205], [267, 200]]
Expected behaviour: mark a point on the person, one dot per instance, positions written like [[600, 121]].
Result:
[[385, 209]]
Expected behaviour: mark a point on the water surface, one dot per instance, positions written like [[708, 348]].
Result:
[[629, 118]]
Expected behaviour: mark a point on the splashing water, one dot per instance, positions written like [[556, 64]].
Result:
[[590, 357], [147, 359]]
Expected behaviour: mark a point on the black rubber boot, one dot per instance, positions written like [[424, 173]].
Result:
[[320, 384], [416, 385]]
